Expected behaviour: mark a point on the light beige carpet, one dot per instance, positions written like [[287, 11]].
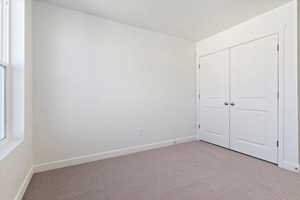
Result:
[[191, 171]]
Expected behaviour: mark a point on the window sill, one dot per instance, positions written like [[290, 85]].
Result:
[[9, 146]]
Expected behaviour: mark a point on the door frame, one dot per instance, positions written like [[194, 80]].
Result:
[[280, 88]]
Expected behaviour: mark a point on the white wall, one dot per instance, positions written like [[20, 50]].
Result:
[[298, 33], [282, 20], [97, 84], [15, 168]]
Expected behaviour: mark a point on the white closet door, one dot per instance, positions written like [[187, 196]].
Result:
[[214, 92], [253, 121]]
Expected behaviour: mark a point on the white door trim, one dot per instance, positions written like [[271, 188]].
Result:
[[281, 88]]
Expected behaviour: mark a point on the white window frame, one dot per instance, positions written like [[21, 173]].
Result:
[[5, 60]]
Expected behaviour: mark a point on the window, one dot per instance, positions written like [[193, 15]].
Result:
[[4, 62]]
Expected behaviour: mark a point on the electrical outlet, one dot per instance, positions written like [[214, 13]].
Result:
[[140, 132]]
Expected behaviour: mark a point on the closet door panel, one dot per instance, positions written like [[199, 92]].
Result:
[[214, 93], [254, 87]]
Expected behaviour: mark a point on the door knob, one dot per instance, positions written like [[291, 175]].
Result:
[[226, 104], [232, 104]]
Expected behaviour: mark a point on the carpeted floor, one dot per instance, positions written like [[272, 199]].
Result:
[[191, 171]]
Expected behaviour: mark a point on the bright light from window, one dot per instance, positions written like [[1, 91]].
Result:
[[4, 61]]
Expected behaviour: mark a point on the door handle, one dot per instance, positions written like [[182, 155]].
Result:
[[226, 104], [232, 104]]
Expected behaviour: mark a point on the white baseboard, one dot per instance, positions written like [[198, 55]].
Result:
[[24, 185], [290, 166], [109, 154]]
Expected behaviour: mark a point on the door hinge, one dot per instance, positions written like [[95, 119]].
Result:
[[199, 66], [199, 126], [277, 143], [277, 95], [198, 96], [277, 47]]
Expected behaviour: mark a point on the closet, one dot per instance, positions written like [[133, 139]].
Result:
[[239, 98]]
